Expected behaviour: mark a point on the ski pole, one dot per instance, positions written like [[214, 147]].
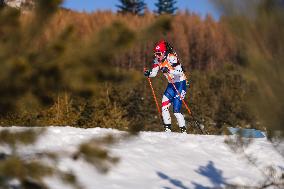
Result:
[[170, 79], [154, 95], [198, 125]]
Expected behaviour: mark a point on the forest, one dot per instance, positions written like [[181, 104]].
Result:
[[61, 67]]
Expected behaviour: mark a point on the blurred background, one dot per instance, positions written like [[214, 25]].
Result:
[[81, 63]]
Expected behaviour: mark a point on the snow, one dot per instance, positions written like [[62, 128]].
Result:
[[157, 160]]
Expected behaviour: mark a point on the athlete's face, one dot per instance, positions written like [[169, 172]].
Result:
[[159, 55]]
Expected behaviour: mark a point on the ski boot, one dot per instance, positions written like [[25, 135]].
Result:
[[167, 128], [183, 129]]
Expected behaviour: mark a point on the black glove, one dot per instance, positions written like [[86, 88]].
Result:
[[165, 69], [147, 73]]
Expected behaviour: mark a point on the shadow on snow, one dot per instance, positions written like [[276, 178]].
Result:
[[213, 174], [175, 182], [209, 171]]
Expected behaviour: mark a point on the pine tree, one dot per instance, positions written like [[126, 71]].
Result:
[[131, 6], [166, 6]]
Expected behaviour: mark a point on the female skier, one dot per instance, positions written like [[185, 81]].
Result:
[[167, 61]]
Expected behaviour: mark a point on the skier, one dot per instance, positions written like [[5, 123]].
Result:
[[167, 61]]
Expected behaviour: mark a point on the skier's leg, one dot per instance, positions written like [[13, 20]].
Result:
[[165, 113], [178, 115], [166, 102], [181, 121], [177, 103]]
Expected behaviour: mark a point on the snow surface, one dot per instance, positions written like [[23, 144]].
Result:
[[156, 160]]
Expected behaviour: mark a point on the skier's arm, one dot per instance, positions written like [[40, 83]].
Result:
[[154, 70]]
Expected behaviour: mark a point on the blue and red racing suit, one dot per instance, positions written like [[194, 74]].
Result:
[[177, 77]]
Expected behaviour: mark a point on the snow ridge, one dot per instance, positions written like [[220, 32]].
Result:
[[156, 160]]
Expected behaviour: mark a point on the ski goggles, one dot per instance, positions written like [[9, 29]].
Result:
[[158, 54]]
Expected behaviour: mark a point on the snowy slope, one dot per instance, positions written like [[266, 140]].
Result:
[[155, 160]]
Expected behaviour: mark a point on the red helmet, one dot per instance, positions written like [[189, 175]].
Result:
[[161, 47]]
